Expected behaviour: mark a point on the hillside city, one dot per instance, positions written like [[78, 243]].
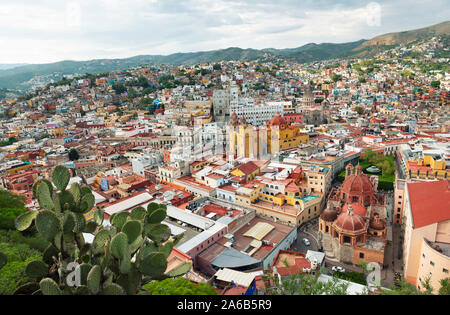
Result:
[[265, 171]]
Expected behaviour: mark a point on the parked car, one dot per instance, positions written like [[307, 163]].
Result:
[[337, 268], [306, 242]]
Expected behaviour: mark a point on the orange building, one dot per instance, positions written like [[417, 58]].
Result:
[[426, 246]]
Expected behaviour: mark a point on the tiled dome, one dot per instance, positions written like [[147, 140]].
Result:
[[357, 209], [277, 120], [329, 215], [350, 222]]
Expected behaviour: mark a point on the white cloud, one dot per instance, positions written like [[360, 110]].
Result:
[[49, 30]]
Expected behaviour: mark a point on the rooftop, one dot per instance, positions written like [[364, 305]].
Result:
[[430, 202]]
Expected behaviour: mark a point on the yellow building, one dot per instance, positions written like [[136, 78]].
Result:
[[428, 167], [58, 131], [249, 141]]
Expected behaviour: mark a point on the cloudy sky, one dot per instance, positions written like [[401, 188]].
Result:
[[40, 31]]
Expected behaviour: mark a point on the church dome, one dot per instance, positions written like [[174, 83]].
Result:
[[359, 184], [329, 215], [350, 222], [357, 209], [377, 224], [277, 120]]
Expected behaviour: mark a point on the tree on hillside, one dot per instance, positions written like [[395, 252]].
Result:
[[119, 88], [359, 110], [73, 155], [436, 84]]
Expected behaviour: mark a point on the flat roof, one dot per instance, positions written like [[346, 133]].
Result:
[[260, 230], [189, 218], [175, 230], [199, 238], [238, 277], [129, 203]]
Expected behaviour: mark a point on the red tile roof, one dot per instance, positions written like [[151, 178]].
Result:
[[247, 168], [430, 202]]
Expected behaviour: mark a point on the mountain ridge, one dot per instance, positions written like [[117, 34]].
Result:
[[16, 77]]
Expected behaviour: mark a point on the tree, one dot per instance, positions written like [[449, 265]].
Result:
[[406, 288], [335, 77], [445, 287], [436, 84], [359, 110], [307, 284], [73, 155], [119, 88], [217, 67], [179, 286]]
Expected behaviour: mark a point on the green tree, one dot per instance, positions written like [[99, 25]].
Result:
[[359, 110], [73, 155], [406, 288], [307, 284], [445, 286], [335, 77], [119, 88], [179, 286], [436, 84]]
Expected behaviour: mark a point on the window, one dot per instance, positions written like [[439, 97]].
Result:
[[431, 263], [444, 270], [361, 255]]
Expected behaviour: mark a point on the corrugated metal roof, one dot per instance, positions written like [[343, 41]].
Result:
[[200, 238], [175, 230], [189, 218], [128, 204], [260, 230], [232, 258], [240, 278]]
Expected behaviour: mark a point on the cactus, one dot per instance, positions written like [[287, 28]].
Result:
[[119, 219], [159, 233], [60, 177], [105, 266], [75, 190], [47, 224], [94, 278], [113, 289], [153, 265], [49, 287], [45, 197], [138, 213], [119, 244], [36, 269], [132, 229], [35, 185], [25, 220]]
